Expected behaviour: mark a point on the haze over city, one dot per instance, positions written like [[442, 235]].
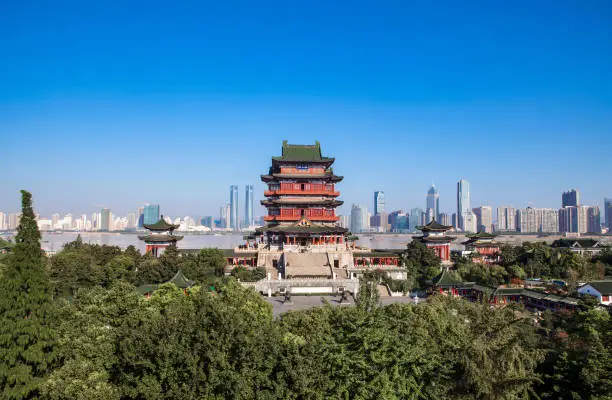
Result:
[[175, 106]]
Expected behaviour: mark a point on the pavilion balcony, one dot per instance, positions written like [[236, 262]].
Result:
[[281, 218], [320, 192]]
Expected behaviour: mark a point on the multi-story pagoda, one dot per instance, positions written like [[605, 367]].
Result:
[[301, 199], [434, 237], [484, 246], [160, 236]]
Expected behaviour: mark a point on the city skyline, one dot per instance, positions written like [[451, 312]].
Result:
[[260, 211]]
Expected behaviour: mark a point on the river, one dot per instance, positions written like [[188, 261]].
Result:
[[54, 241]]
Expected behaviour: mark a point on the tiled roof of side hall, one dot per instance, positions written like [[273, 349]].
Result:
[[301, 152], [179, 279], [446, 279], [434, 226], [481, 235], [160, 238], [585, 243], [160, 225]]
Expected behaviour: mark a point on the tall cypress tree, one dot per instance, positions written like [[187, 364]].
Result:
[[27, 348]]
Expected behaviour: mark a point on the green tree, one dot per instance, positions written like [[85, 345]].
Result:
[[249, 275], [121, 267], [368, 297], [418, 254], [72, 269], [76, 244], [579, 363], [133, 253], [170, 261], [27, 350], [421, 263], [206, 267], [150, 270]]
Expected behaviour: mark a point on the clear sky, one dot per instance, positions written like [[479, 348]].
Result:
[[118, 103]]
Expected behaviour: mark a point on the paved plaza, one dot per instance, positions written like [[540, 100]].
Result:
[[305, 302]]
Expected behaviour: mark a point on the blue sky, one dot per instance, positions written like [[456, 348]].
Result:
[[115, 104]]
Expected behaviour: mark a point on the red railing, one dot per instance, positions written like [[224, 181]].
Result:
[[293, 191], [297, 218]]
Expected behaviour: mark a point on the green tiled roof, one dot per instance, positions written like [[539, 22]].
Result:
[[301, 152], [481, 235], [160, 238], [445, 279], [161, 225], [508, 291], [434, 226], [180, 280]]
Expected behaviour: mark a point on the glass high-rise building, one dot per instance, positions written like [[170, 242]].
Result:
[[608, 211], [248, 206], [433, 202], [359, 218], [207, 222], [105, 218], [571, 198], [234, 221], [414, 219], [464, 210], [379, 202], [463, 197], [150, 214]]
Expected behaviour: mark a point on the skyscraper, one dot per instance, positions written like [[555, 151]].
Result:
[[593, 219], [150, 214], [379, 202], [140, 214], [574, 219], [105, 219], [445, 219], [248, 206], [506, 219], [571, 198], [433, 201], [132, 220], [207, 222], [608, 210], [2, 221], [414, 219], [537, 220], [13, 221], [359, 218], [55, 217], [466, 220], [234, 221], [463, 197], [484, 218], [345, 221]]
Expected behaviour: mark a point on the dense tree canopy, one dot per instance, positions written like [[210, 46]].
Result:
[[100, 339], [27, 350], [421, 263]]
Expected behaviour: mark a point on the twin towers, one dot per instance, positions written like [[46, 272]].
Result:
[[235, 222]]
